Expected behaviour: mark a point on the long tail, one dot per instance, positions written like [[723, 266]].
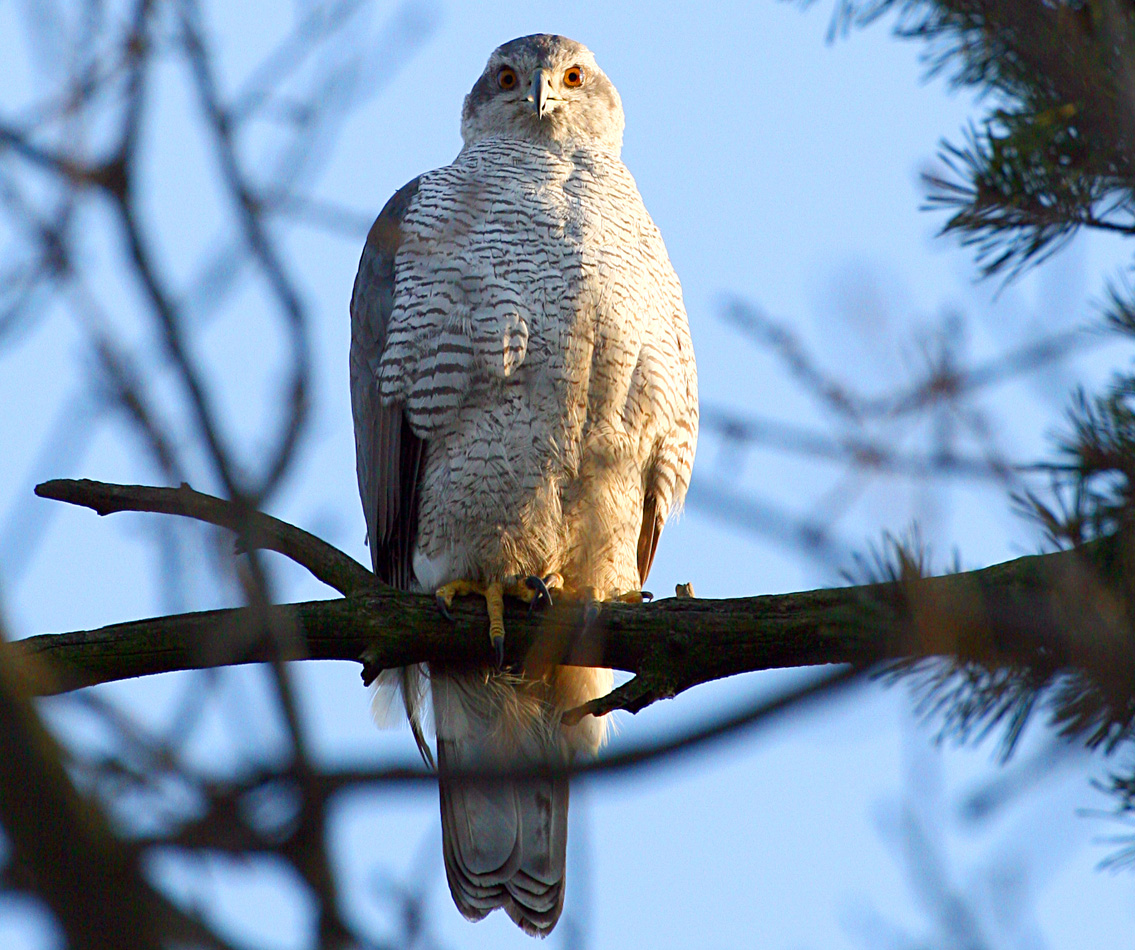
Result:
[[504, 841]]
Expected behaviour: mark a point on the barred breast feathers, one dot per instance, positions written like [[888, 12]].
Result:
[[511, 235], [538, 342]]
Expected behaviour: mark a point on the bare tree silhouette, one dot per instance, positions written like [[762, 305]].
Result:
[[985, 648]]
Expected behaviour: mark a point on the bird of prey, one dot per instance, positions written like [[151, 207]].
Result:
[[525, 406]]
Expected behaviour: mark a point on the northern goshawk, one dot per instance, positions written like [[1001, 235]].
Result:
[[525, 404]]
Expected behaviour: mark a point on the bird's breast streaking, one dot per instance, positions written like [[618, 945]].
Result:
[[525, 403]]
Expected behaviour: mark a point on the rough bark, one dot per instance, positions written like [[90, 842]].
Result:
[[1045, 612]]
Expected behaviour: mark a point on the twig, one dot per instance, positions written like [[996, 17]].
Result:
[[325, 562], [217, 832], [632, 696], [256, 236], [859, 451]]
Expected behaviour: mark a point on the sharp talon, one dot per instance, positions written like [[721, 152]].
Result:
[[498, 651], [543, 595], [647, 596], [443, 607]]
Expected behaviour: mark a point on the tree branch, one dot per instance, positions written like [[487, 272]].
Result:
[[63, 842], [326, 563], [1047, 613]]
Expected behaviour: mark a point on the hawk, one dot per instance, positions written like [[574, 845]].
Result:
[[525, 407]]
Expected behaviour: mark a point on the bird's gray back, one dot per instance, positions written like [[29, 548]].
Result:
[[388, 456]]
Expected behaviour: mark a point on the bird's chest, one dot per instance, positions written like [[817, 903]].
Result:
[[518, 255], [526, 228]]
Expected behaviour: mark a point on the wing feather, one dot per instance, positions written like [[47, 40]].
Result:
[[389, 457], [651, 530]]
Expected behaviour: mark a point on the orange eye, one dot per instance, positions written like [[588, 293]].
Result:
[[573, 77], [506, 78]]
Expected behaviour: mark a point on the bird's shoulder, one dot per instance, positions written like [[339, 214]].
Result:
[[385, 234]]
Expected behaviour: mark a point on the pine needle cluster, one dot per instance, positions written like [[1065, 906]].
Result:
[[1052, 153]]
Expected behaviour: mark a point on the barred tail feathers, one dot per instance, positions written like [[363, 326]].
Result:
[[504, 841]]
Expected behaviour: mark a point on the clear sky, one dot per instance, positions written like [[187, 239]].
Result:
[[781, 170]]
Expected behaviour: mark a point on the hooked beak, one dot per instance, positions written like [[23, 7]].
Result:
[[540, 93]]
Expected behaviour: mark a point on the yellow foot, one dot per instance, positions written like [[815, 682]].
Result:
[[630, 596], [534, 590], [493, 592], [595, 595], [531, 590]]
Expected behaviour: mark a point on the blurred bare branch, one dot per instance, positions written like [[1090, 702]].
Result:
[[255, 531], [90, 879], [72, 162], [74, 151]]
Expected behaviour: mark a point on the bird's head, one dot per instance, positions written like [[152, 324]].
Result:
[[543, 88]]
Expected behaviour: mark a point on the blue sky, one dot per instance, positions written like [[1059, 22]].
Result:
[[782, 170]]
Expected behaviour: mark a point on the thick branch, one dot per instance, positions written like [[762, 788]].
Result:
[[256, 530], [1045, 612]]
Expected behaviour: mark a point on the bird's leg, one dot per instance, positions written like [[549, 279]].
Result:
[[493, 592], [494, 603], [444, 595], [535, 591], [532, 590]]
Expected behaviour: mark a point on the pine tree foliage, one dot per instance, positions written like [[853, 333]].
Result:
[[1087, 698], [1053, 153]]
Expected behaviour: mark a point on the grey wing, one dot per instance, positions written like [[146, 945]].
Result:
[[668, 384], [389, 457]]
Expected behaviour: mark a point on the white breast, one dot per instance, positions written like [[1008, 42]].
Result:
[[529, 287]]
